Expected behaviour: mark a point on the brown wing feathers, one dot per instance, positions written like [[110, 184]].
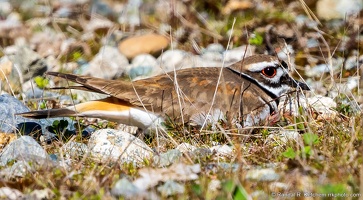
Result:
[[77, 79]]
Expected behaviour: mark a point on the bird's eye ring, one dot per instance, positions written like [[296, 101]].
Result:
[[269, 72]]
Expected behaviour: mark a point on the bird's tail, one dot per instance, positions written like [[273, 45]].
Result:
[[40, 114]]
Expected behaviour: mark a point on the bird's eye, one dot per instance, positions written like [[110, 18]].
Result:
[[269, 72]]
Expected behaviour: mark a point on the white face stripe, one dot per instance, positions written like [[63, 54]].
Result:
[[276, 91], [276, 78], [257, 67]]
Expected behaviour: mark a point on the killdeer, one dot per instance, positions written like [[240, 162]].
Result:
[[246, 92]]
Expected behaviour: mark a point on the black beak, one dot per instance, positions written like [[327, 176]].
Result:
[[298, 85], [294, 83]]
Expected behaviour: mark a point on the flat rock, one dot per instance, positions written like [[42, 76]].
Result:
[[171, 187], [108, 63], [149, 43], [267, 174], [142, 66], [174, 59], [324, 106], [222, 150], [167, 158], [8, 107], [186, 147], [10, 193], [108, 145], [337, 9], [24, 148], [125, 188], [75, 149], [27, 63]]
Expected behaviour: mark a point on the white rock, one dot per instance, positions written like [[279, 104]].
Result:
[[215, 47], [337, 9], [109, 63], [10, 193], [279, 186], [171, 187], [75, 149], [186, 147], [345, 88], [322, 104], [213, 52], [173, 59], [262, 175], [238, 53], [214, 185], [26, 149], [284, 136], [325, 106], [112, 145], [143, 66], [222, 150]]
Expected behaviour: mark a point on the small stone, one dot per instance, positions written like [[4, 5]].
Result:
[[125, 188], [117, 146], [24, 148], [201, 153], [171, 187], [284, 136], [5, 8], [229, 166], [312, 43], [214, 185], [222, 150], [212, 56], [259, 194], [150, 177], [337, 9], [186, 147], [148, 43], [353, 62], [262, 175], [10, 193], [322, 104], [325, 106], [317, 71], [237, 54], [278, 187], [236, 5], [27, 64], [168, 158], [18, 169], [213, 52], [130, 14], [215, 47], [9, 106], [142, 66], [75, 149], [173, 59], [41, 194], [108, 63], [97, 23]]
